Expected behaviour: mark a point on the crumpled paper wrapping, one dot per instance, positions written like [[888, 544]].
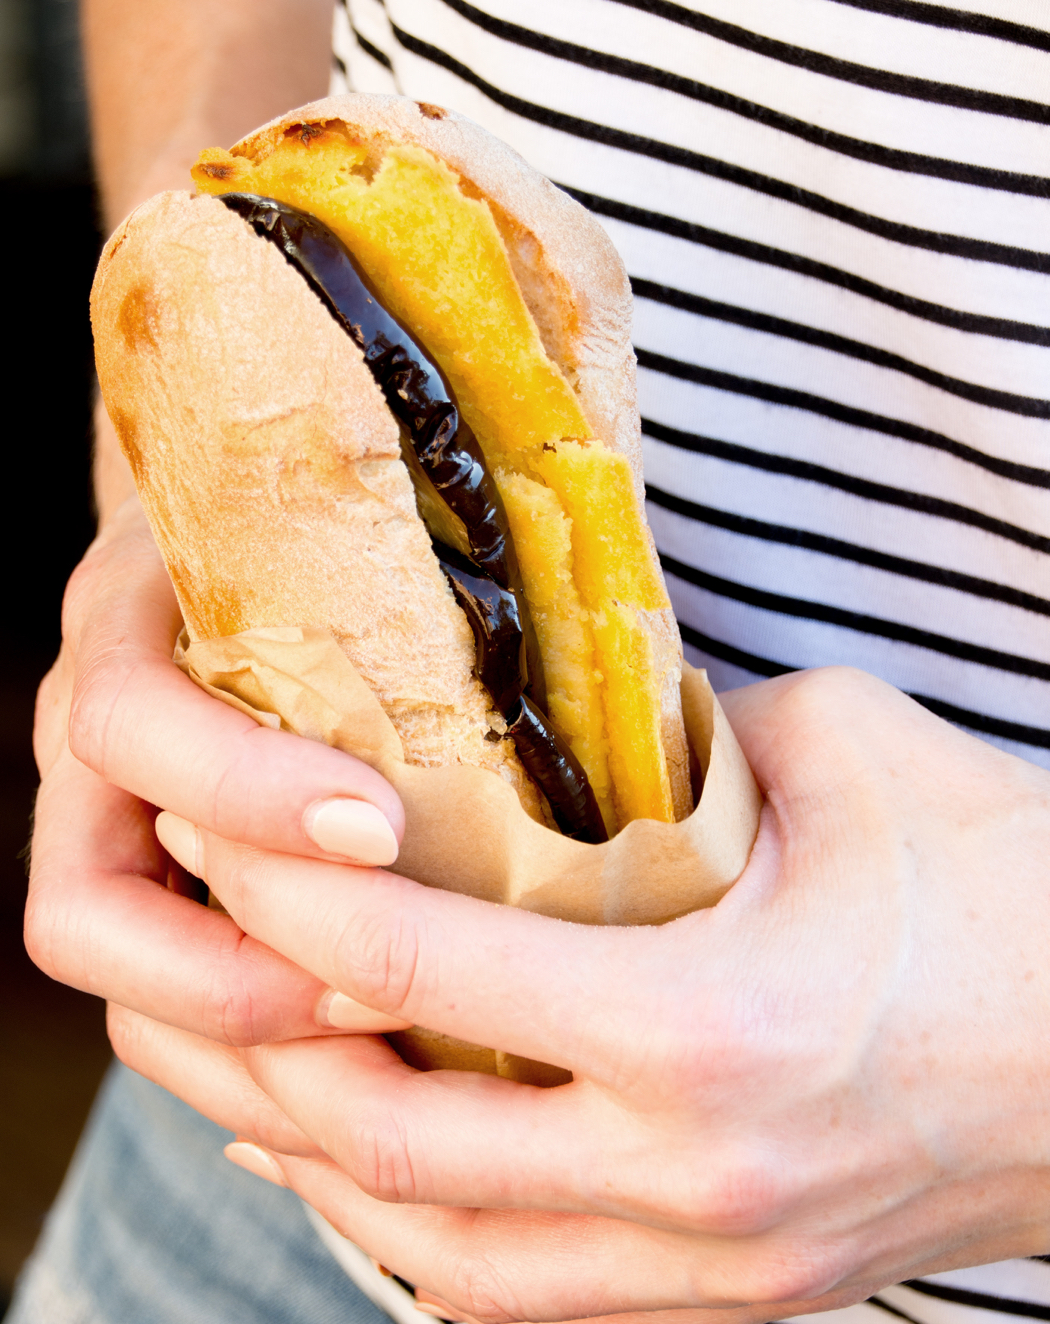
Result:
[[466, 831]]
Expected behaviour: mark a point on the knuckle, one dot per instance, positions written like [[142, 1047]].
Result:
[[746, 1196], [233, 1019], [815, 693], [231, 1012], [39, 935], [790, 1274], [480, 1287], [381, 1159], [103, 643], [96, 693], [381, 955], [80, 590], [841, 712], [51, 714], [834, 698]]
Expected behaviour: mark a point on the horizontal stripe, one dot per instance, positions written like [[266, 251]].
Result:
[[380, 56], [859, 621], [1022, 734], [881, 80], [979, 250], [1036, 736], [850, 585], [855, 349], [999, 327], [980, 1300], [874, 153], [847, 551], [960, 20], [861, 487], [817, 404], [727, 653], [890, 1310]]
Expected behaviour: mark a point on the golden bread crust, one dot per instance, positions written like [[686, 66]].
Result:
[[270, 469]]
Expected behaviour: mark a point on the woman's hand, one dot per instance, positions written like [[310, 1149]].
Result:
[[835, 1079], [108, 911]]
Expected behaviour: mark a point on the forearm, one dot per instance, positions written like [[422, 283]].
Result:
[[165, 81]]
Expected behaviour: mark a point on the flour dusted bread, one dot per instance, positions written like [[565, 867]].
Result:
[[271, 472], [269, 464]]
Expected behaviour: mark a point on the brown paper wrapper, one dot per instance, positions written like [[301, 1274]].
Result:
[[465, 828]]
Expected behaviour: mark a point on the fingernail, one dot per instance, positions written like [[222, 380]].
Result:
[[430, 1304], [425, 1308], [255, 1160], [338, 1012], [181, 840], [354, 829]]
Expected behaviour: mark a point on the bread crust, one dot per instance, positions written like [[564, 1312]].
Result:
[[269, 465], [259, 439]]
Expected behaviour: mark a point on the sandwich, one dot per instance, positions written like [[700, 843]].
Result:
[[376, 376]]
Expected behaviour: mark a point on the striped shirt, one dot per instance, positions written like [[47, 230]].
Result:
[[836, 219]]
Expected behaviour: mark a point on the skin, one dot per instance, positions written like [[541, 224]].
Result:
[[844, 1083]]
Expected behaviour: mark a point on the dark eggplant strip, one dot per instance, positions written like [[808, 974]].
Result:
[[494, 617], [553, 767], [415, 388], [447, 464], [457, 497]]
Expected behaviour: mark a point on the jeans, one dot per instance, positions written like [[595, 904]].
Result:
[[154, 1226]]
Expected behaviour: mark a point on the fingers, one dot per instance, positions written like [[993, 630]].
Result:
[[210, 1077], [490, 1265], [449, 962], [498, 1265], [467, 1139], [100, 917], [444, 1137], [140, 723], [471, 1140]]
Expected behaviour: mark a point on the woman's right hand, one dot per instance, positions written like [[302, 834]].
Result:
[[120, 733]]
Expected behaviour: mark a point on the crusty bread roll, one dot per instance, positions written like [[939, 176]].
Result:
[[267, 460]]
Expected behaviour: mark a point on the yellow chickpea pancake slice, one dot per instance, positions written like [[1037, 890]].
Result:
[[543, 536], [438, 263], [610, 544], [637, 762]]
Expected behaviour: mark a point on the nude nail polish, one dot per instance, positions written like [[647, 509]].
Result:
[[254, 1159], [339, 1012], [181, 840], [354, 829], [425, 1308]]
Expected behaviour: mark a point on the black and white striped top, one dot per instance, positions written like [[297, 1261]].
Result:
[[836, 214], [836, 218]]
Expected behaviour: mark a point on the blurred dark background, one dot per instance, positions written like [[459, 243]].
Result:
[[52, 1040]]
